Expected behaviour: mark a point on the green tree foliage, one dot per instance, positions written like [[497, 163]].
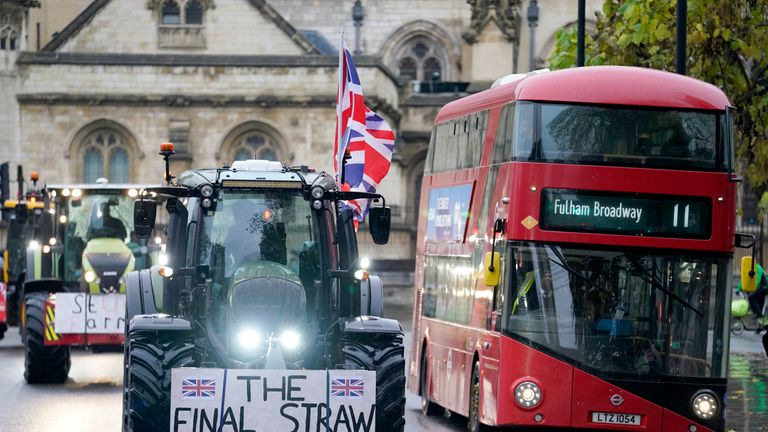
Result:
[[727, 46]]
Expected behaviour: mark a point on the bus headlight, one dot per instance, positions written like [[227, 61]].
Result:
[[527, 394], [705, 405], [290, 339]]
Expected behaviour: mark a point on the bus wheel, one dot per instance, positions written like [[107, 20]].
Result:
[[737, 326], [473, 420], [428, 408], [149, 359], [383, 353], [42, 364]]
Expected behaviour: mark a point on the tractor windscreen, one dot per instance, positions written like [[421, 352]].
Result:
[[247, 227], [96, 227]]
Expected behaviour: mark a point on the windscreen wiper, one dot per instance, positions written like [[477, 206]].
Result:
[[564, 264]]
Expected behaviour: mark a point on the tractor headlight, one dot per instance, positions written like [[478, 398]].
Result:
[[361, 274], [249, 339], [206, 191], [90, 276], [317, 192], [317, 204], [290, 339], [705, 405], [527, 394]]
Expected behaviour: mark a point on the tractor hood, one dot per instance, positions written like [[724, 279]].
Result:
[[108, 259], [267, 295]]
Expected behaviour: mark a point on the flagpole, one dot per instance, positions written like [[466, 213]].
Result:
[[339, 151]]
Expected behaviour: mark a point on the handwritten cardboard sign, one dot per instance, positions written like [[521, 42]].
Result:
[[251, 400], [85, 313]]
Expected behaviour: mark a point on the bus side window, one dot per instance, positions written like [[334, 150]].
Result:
[[502, 146]]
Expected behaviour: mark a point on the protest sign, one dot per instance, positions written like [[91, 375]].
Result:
[[254, 400], [85, 313]]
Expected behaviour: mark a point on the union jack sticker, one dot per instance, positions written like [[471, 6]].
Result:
[[198, 388], [350, 387]]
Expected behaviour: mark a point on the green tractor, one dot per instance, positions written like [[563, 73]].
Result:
[[74, 293], [26, 223], [263, 286]]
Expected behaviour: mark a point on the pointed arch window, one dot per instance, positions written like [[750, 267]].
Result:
[[421, 58], [255, 145], [105, 154], [193, 12], [171, 13], [408, 68]]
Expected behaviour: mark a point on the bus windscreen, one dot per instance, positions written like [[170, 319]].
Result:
[[626, 136]]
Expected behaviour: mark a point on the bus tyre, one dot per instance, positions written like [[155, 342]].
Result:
[[150, 356], [428, 408], [473, 419], [383, 353], [42, 364]]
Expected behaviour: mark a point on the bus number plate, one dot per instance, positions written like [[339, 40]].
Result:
[[615, 418]]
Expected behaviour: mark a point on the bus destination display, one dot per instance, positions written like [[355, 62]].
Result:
[[627, 214]]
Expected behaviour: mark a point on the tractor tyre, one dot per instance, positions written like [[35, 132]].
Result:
[[150, 356], [383, 353], [42, 364]]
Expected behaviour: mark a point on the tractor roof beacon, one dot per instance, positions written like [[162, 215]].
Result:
[[262, 273]]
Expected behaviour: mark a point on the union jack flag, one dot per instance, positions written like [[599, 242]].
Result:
[[347, 387], [367, 135], [198, 388]]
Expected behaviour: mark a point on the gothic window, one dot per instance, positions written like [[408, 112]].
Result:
[[432, 69], [8, 39], [105, 155], [254, 145], [408, 68], [194, 12], [421, 58], [171, 13]]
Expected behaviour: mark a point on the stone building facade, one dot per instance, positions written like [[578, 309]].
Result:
[[93, 95]]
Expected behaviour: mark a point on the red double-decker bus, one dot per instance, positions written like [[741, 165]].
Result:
[[574, 253]]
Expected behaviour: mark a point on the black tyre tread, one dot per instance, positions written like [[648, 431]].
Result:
[[42, 364], [384, 354], [150, 358], [432, 409]]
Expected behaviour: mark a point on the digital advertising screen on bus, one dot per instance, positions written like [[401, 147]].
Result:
[[626, 214]]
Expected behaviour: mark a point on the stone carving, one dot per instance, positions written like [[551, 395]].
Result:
[[180, 36], [504, 13]]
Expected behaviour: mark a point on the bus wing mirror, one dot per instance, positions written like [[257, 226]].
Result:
[[744, 241], [144, 212], [748, 275], [491, 265], [379, 219]]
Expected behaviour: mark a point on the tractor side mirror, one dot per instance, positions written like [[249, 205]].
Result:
[[308, 267], [748, 275], [379, 219], [144, 213]]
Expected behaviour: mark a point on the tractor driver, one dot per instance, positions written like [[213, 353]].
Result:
[[103, 224], [244, 236]]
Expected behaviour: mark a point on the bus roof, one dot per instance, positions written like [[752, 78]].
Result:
[[600, 85]]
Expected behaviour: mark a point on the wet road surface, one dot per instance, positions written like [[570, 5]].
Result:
[[91, 400]]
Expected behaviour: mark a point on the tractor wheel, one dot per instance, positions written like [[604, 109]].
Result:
[[42, 364], [384, 354], [150, 356]]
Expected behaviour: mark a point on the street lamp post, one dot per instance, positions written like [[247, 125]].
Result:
[[533, 20], [357, 16]]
